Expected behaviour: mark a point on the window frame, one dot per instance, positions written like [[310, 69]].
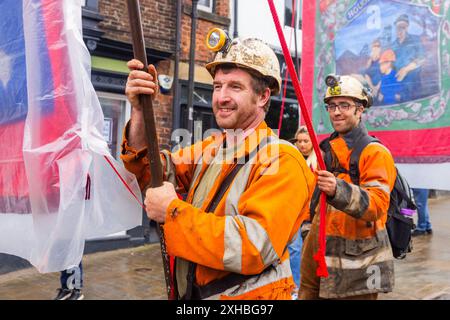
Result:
[[209, 8]]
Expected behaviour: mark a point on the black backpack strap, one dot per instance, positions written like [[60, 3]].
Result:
[[359, 146]]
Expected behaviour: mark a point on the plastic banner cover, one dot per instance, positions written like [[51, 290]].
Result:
[[56, 187]]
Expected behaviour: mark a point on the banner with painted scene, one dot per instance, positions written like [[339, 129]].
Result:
[[400, 50]]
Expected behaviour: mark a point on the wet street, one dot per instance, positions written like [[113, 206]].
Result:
[[137, 273]]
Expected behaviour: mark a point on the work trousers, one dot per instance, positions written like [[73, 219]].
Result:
[[309, 281]]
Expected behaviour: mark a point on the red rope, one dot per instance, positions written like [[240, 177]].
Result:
[[320, 255], [124, 182]]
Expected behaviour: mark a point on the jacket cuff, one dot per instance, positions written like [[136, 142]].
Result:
[[129, 153]]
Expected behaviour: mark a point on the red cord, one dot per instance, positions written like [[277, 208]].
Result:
[[124, 182]]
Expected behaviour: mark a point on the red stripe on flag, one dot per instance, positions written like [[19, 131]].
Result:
[[65, 113]]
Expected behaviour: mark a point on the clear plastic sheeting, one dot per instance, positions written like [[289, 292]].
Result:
[[56, 187]]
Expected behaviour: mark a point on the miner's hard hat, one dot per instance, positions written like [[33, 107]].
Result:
[[248, 53], [347, 86]]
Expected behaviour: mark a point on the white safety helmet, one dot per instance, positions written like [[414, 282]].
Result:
[[347, 86], [249, 53]]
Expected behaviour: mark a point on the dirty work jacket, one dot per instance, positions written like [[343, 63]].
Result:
[[252, 224], [358, 248]]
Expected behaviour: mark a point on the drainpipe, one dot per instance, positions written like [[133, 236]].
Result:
[[235, 22], [297, 64], [191, 69], [176, 93]]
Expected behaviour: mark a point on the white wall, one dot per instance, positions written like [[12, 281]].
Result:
[[255, 20]]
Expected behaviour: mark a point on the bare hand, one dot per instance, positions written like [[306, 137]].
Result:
[[140, 82], [158, 199], [326, 182]]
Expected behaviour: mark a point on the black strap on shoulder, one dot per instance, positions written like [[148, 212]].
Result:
[[359, 146], [333, 166]]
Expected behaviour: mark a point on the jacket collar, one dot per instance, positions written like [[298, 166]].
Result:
[[249, 144]]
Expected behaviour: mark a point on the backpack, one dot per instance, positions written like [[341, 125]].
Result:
[[398, 225]]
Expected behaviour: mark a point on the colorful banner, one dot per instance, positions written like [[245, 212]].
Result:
[[56, 188], [401, 50]]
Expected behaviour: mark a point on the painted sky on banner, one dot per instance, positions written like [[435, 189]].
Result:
[[340, 36]]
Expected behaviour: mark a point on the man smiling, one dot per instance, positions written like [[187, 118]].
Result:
[[230, 235], [358, 252]]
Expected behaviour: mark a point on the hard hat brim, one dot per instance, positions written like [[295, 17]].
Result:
[[275, 88]]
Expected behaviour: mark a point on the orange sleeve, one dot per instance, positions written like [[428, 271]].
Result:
[[370, 199], [181, 163]]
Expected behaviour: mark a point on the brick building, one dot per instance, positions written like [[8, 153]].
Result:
[[107, 35]]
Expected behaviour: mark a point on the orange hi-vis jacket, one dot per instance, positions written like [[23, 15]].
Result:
[[358, 247], [250, 229]]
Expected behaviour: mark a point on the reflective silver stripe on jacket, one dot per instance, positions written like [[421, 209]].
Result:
[[378, 185]]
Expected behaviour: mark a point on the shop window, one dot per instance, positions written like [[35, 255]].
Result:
[[116, 112]]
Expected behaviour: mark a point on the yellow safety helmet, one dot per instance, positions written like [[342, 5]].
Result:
[[249, 53], [347, 86]]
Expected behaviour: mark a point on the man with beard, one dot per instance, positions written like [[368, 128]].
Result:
[[358, 252]]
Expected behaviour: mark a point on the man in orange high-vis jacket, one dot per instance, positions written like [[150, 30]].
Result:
[[358, 253], [238, 250]]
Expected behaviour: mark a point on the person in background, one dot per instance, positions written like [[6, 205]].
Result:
[[423, 214], [71, 283], [304, 144]]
